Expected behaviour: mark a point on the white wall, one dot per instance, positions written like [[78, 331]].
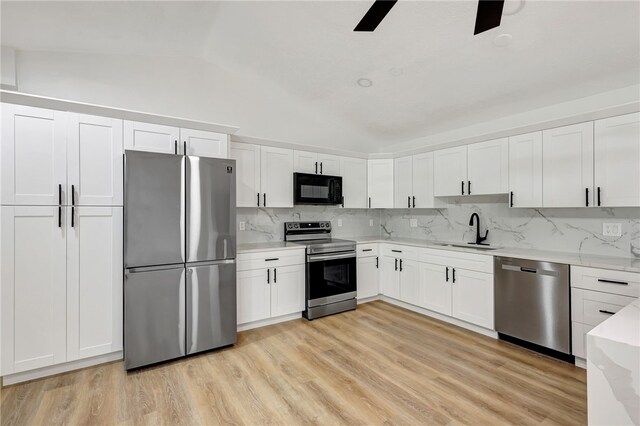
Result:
[[188, 88], [8, 67]]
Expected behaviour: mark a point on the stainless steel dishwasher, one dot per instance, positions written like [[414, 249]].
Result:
[[532, 302]]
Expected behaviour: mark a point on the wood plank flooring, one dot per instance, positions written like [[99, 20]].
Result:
[[379, 364]]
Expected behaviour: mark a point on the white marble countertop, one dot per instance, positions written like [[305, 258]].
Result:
[[269, 246], [578, 259], [623, 327]]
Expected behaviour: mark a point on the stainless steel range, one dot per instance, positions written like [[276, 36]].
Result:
[[331, 268]]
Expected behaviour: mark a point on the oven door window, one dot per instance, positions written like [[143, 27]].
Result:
[[331, 277]]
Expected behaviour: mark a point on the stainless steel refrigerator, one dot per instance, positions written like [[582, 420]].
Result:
[[179, 256]]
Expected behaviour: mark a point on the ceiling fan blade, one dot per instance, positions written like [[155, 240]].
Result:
[[375, 15], [489, 15]]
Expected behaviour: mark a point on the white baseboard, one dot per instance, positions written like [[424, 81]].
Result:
[[445, 318], [11, 379], [581, 362], [268, 321], [368, 299]]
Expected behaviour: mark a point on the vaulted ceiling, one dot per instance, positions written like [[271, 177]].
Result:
[[429, 73]]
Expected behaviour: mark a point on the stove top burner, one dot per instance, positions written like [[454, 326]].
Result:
[[316, 236]]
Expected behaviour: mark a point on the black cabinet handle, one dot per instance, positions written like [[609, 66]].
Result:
[[272, 259], [400, 265], [409, 201], [469, 187], [376, 261], [612, 282], [73, 195], [396, 264], [462, 187], [604, 311], [367, 249], [316, 167], [446, 276], [414, 201], [320, 168], [264, 200], [511, 199], [453, 275], [586, 196], [258, 199], [175, 147], [275, 276], [185, 148], [369, 202], [72, 216], [59, 194], [396, 251], [59, 217], [599, 197], [268, 276]]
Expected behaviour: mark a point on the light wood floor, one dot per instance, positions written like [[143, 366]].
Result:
[[378, 364]]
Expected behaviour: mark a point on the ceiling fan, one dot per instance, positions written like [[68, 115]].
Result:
[[488, 15]]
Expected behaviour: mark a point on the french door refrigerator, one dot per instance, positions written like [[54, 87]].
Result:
[[179, 251]]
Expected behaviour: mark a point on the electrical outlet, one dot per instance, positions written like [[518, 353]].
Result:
[[612, 229], [370, 222], [241, 225], [339, 222], [413, 223]]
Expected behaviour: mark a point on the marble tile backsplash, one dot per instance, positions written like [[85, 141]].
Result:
[[569, 230], [265, 224]]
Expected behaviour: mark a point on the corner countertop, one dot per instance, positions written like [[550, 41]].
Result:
[[578, 259], [623, 327]]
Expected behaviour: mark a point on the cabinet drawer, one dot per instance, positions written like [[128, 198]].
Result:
[[608, 281], [270, 259], [468, 261], [586, 305], [399, 251], [367, 250]]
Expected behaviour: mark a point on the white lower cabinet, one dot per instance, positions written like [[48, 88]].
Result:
[[435, 291], [389, 277], [368, 277], [270, 284], [61, 285], [472, 297]]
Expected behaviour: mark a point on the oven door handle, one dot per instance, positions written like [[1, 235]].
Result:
[[323, 257]]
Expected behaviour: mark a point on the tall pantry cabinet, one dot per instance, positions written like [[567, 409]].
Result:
[[61, 253]]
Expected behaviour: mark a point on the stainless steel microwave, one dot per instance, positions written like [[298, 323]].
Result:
[[317, 189]]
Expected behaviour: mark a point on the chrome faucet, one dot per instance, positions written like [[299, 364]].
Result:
[[479, 239]]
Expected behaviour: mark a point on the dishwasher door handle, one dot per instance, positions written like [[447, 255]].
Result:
[[529, 270]]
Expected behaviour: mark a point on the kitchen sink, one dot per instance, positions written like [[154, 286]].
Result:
[[471, 246]]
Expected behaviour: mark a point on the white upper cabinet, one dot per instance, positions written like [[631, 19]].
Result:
[[149, 137], [488, 167], [329, 164], [94, 148], [423, 197], [315, 163], [34, 157], [380, 187], [450, 171], [403, 182], [204, 144], [247, 158], [276, 171], [33, 287], [305, 162], [617, 161], [354, 182], [567, 162], [94, 281], [525, 170]]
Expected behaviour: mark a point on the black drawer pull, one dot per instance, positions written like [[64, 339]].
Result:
[[258, 199], [612, 282], [511, 200], [447, 274], [396, 264], [272, 259], [367, 249], [453, 275], [462, 187], [606, 312], [397, 251], [586, 190], [59, 194], [275, 276], [400, 265], [59, 217], [268, 276], [72, 215]]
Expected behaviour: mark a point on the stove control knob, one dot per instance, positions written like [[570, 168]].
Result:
[[322, 225], [296, 225], [289, 225]]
